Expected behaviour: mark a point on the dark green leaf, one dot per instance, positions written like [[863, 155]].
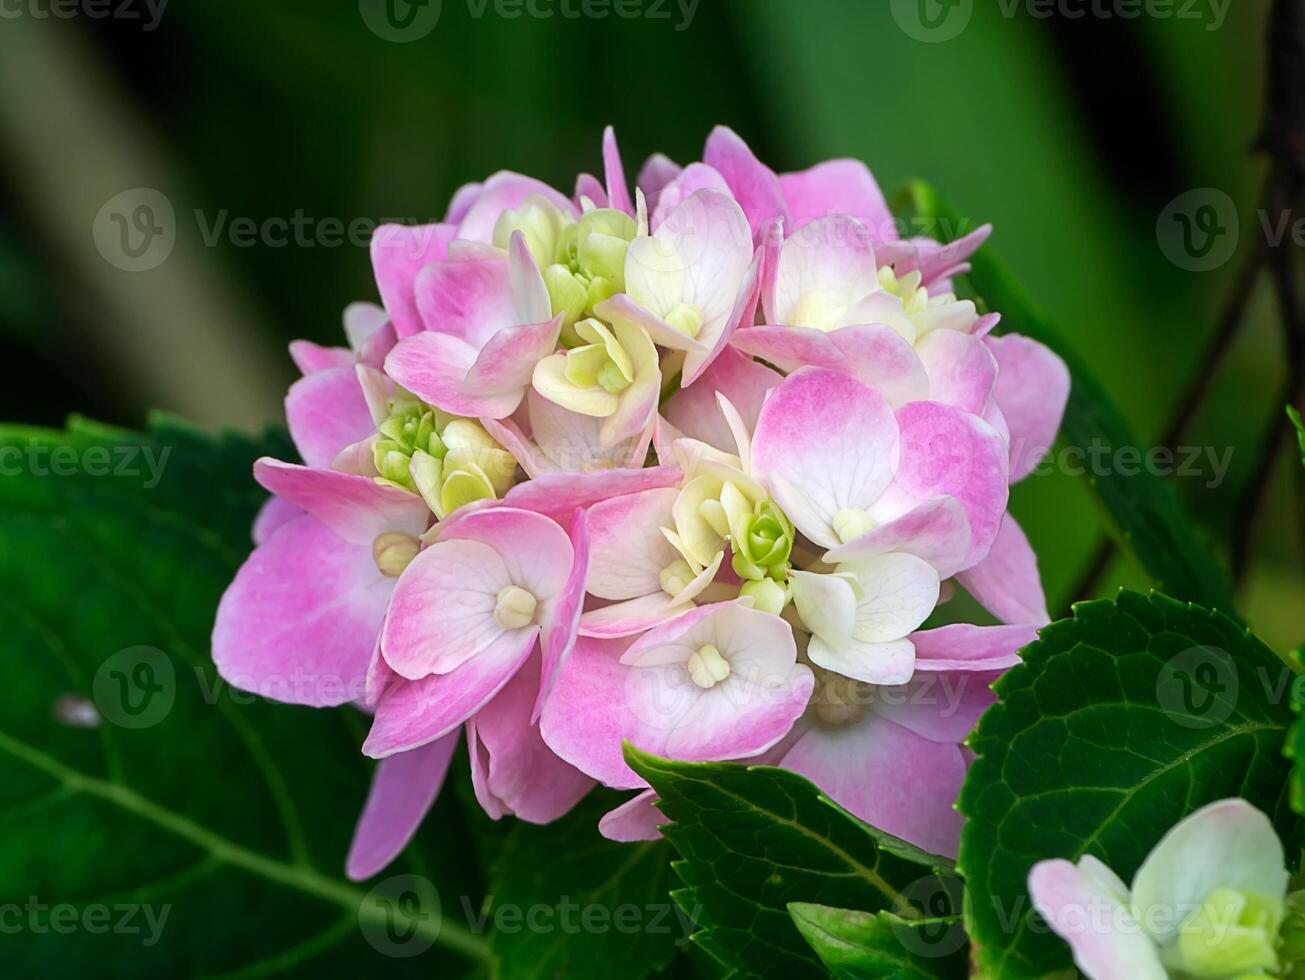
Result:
[[1121, 721], [131, 779], [755, 839], [568, 902], [881, 945], [1143, 509]]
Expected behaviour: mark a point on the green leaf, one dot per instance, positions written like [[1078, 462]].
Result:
[[568, 902], [755, 839], [1143, 509], [1300, 429], [1294, 749], [1121, 721], [881, 945], [133, 783]]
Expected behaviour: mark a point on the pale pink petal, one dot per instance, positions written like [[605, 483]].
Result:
[[961, 369], [558, 495], [618, 191], [633, 616], [831, 258], [1088, 907], [937, 531], [936, 262], [535, 550], [271, 516], [512, 770], [357, 508], [1006, 582], [887, 776], [326, 412], [825, 443], [943, 706], [629, 549], [442, 612], [880, 357], [790, 348], [962, 646], [1032, 391], [502, 192], [657, 171], [399, 253], [563, 619], [471, 300], [839, 187], [946, 452], [463, 198], [745, 383], [310, 357], [403, 789], [754, 185], [412, 713], [589, 186], [693, 178], [299, 622], [622, 310], [636, 819], [716, 333], [434, 367]]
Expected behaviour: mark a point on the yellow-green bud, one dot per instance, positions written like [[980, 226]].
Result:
[[707, 667], [1232, 933], [767, 595], [514, 608], [393, 551]]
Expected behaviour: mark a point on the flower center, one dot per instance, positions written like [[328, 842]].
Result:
[[392, 551], [686, 318], [707, 667], [1232, 933], [675, 577], [514, 608], [851, 524], [839, 700]]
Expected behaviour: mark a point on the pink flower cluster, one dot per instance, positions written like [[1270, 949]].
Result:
[[688, 467]]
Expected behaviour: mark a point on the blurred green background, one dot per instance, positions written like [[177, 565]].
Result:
[[1072, 135]]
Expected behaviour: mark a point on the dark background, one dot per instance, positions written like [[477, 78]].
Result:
[[1071, 134]]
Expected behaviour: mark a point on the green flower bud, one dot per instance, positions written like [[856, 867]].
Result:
[[567, 292], [767, 595], [541, 225], [686, 318], [393, 551], [1232, 933], [763, 541]]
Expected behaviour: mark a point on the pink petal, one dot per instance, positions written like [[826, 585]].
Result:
[[403, 789], [936, 262], [718, 333], [755, 185], [399, 253], [943, 706], [538, 554], [839, 187], [791, 348], [962, 371], [299, 622], [463, 198], [937, 531], [357, 508], [950, 453], [471, 300], [887, 776], [825, 443], [621, 309], [834, 255], [502, 192], [1006, 582], [965, 647], [271, 516], [558, 495], [880, 357], [1032, 391], [412, 713], [310, 357], [559, 634], [634, 820], [745, 383], [633, 616], [587, 185], [618, 192], [629, 549], [326, 412], [512, 770], [507, 361], [434, 367], [584, 719]]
